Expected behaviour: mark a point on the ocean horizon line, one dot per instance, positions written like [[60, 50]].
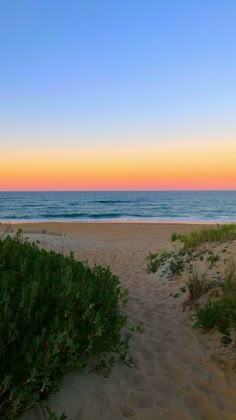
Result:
[[118, 191]]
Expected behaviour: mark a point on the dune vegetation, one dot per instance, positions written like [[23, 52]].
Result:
[[203, 263], [223, 233], [56, 314]]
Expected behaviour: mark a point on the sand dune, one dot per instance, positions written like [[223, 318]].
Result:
[[174, 376]]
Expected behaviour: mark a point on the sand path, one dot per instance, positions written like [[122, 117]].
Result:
[[174, 376]]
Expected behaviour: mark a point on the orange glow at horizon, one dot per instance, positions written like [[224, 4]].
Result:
[[169, 168]]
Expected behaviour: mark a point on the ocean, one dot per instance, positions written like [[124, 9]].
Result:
[[169, 206]]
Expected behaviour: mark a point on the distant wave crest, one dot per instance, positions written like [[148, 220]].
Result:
[[111, 201]]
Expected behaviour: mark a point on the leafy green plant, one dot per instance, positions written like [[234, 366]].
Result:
[[156, 260], [176, 295], [104, 366], [212, 259], [136, 328], [176, 266], [56, 313], [218, 314]]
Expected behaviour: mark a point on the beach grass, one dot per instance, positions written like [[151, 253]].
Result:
[[221, 313], [222, 233], [197, 285]]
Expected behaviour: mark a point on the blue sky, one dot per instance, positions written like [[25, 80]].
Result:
[[110, 63]]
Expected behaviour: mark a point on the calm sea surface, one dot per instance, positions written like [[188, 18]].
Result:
[[119, 206]]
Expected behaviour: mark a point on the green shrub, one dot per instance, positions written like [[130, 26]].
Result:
[[55, 314]]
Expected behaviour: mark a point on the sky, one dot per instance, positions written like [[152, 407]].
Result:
[[117, 95]]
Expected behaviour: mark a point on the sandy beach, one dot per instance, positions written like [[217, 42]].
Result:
[[174, 375]]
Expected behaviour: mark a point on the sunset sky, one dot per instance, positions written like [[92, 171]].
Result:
[[117, 95]]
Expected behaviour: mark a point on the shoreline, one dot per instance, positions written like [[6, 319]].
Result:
[[107, 222]]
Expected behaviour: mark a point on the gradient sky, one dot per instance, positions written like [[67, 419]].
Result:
[[125, 94]]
